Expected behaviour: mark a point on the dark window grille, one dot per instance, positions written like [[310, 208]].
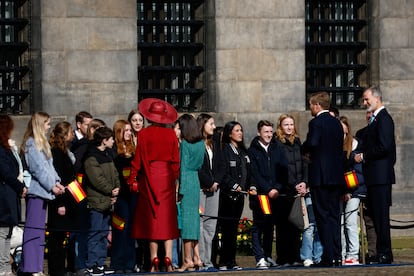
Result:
[[14, 54], [337, 50], [171, 51]]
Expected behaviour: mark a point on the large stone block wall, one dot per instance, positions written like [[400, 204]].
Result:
[[259, 55], [255, 67], [89, 57]]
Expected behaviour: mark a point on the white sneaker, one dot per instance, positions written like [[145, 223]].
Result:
[[271, 262], [262, 264], [307, 263], [351, 261], [223, 267]]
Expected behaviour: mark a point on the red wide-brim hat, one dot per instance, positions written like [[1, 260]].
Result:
[[158, 111]]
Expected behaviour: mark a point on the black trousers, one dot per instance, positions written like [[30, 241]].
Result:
[[230, 211], [287, 235], [379, 202], [326, 206]]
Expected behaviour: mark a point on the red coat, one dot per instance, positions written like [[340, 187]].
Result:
[[156, 163]]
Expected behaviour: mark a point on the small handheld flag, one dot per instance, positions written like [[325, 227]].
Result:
[[265, 204], [76, 190], [79, 178], [118, 222], [351, 179], [126, 172]]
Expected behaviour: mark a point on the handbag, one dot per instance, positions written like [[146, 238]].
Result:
[[351, 179], [298, 215], [179, 215]]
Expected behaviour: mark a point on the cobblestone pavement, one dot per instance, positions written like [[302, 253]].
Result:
[[403, 265]]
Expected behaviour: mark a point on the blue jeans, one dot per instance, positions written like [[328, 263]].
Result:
[[349, 229], [97, 242], [176, 253], [311, 245]]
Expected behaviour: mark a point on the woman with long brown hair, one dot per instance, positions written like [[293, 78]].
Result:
[[62, 210], [123, 246], [211, 175]]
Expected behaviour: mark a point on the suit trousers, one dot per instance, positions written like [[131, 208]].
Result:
[[326, 206], [379, 202], [209, 202]]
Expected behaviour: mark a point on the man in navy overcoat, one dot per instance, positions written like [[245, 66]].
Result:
[[324, 148]]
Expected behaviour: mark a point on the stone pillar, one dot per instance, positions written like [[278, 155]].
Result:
[[89, 57]]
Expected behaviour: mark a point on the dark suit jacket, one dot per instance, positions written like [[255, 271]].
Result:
[[324, 143], [207, 175], [379, 150]]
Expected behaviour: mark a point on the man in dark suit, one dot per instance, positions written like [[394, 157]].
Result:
[[378, 155], [371, 257], [323, 147]]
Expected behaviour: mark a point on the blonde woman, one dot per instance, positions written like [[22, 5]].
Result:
[[310, 249], [45, 184]]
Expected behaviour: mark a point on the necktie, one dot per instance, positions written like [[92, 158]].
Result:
[[372, 119]]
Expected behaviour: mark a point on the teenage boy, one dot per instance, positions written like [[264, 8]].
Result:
[[102, 188]]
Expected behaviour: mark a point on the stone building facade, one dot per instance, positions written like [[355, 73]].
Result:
[[85, 58]]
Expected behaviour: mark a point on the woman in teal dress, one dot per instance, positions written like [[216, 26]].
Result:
[[191, 159]]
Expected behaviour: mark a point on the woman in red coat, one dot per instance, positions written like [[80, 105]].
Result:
[[154, 170]]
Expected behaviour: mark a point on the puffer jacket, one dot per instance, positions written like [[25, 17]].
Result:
[[101, 178]]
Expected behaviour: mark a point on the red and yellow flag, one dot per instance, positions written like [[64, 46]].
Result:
[[76, 190], [265, 204], [126, 172], [351, 179], [118, 222], [79, 178]]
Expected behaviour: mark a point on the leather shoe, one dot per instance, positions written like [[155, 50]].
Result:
[[369, 259], [332, 263], [384, 259]]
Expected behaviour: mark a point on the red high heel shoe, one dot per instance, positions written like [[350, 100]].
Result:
[[168, 264], [154, 264]]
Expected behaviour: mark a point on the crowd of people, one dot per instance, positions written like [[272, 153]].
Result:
[[175, 183]]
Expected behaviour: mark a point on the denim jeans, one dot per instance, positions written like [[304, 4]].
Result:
[[97, 238], [311, 245], [349, 229], [176, 253]]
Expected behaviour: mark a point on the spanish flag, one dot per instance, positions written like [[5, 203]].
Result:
[[126, 172], [76, 190], [265, 204], [118, 222], [79, 178], [351, 179]]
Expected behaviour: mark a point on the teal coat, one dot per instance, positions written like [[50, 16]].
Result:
[[191, 160]]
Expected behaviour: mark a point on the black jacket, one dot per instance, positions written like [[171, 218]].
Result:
[[10, 189], [234, 169], [208, 175], [269, 169], [297, 169], [65, 169]]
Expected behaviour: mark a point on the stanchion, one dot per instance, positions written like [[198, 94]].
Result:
[[363, 234]]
